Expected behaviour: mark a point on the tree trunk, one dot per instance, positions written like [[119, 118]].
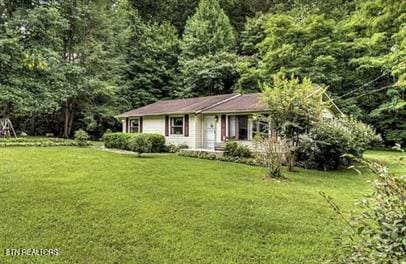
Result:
[[68, 119], [33, 119], [70, 122]]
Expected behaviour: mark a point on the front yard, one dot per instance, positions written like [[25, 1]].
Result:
[[100, 207]]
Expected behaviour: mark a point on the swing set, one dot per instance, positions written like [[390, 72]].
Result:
[[6, 128]]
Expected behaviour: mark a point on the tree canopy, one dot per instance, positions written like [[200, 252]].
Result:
[[71, 64]]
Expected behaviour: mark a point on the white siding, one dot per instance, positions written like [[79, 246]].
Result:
[[153, 124], [199, 131], [156, 124]]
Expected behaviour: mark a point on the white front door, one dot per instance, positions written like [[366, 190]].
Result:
[[209, 132]]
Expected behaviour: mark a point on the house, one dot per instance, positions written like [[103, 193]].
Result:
[[204, 122]]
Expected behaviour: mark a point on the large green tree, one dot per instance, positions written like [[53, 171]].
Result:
[[152, 62], [208, 52], [358, 54], [375, 34], [61, 55], [31, 48]]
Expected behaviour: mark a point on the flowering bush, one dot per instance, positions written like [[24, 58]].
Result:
[[327, 142]]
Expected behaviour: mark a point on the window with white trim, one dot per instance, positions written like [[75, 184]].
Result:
[[238, 127], [134, 126], [177, 125]]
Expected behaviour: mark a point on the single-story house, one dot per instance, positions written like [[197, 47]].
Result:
[[204, 122]]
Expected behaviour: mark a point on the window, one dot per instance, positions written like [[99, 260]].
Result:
[[242, 127], [260, 128], [238, 127], [177, 125], [231, 127], [134, 125]]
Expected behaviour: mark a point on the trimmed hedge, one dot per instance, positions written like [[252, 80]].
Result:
[[122, 141], [118, 140], [38, 142], [173, 148], [234, 149], [214, 156]]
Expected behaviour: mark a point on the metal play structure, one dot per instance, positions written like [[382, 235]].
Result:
[[6, 128]]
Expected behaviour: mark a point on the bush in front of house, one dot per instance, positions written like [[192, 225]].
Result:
[[327, 143], [157, 142], [117, 140], [173, 148], [122, 141], [141, 144], [214, 156], [81, 138], [234, 149]]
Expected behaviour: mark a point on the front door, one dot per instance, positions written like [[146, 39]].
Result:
[[209, 132]]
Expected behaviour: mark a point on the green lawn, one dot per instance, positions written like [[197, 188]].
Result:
[[100, 207]]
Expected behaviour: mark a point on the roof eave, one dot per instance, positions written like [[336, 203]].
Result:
[[235, 111]]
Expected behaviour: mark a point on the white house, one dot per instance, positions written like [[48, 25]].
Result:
[[203, 122]]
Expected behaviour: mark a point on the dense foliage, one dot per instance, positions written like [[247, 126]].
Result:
[[377, 234], [234, 149], [328, 144], [293, 105], [40, 142], [81, 137], [149, 142], [66, 65], [140, 144]]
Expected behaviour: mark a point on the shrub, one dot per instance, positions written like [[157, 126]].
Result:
[[377, 234], [234, 149], [230, 148], [325, 146], [37, 142], [363, 134], [108, 131], [140, 144], [118, 140], [122, 141], [172, 148], [81, 138], [157, 142], [243, 152], [271, 156], [214, 156], [328, 141]]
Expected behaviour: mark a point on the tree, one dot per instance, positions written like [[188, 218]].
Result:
[[304, 48], [92, 59], [207, 49], [32, 46], [208, 75], [151, 74], [377, 36], [294, 106], [207, 32]]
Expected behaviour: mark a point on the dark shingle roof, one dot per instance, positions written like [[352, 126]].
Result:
[[178, 106], [243, 103], [226, 103]]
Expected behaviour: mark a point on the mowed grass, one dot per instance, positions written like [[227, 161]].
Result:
[[100, 207]]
